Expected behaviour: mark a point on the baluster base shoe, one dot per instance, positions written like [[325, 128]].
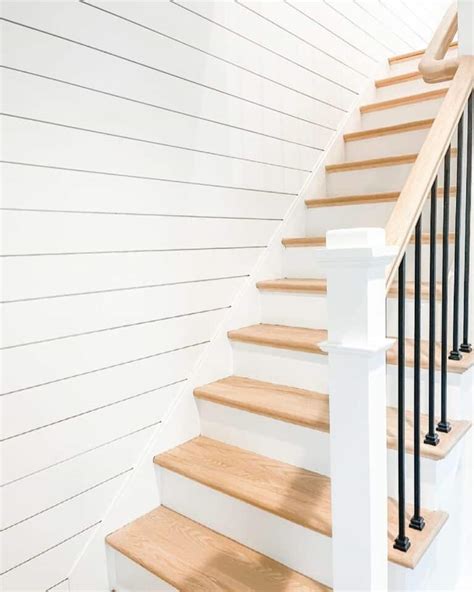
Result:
[[466, 348], [432, 439], [455, 355], [402, 544], [417, 522], [444, 426]]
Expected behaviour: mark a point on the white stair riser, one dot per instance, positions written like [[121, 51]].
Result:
[[403, 89], [131, 577], [301, 549], [401, 114], [301, 262], [389, 145], [392, 318], [320, 220], [374, 180], [412, 65]]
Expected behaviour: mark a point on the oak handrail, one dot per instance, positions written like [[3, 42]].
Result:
[[402, 221], [433, 67]]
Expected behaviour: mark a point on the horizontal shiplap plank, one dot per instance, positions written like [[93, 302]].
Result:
[[101, 72], [58, 360], [51, 276], [27, 322], [47, 144], [64, 400], [77, 21], [46, 188], [31, 452], [391, 25], [48, 100], [86, 233]]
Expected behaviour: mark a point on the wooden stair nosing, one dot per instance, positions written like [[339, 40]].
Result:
[[295, 494], [361, 199], [194, 558], [320, 241], [399, 128], [398, 79], [407, 100], [414, 54], [310, 409]]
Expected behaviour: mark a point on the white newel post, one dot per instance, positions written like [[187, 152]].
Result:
[[355, 261]]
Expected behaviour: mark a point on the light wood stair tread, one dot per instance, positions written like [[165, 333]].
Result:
[[413, 54], [318, 286], [398, 79], [372, 163], [193, 558], [293, 493], [377, 132], [407, 100], [367, 198], [320, 241], [311, 409], [308, 340]]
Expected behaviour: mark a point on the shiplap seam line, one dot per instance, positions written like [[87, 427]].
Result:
[[68, 499], [364, 74], [145, 214], [418, 18], [161, 71], [330, 31], [88, 411], [409, 45], [152, 142], [103, 368], [403, 21], [173, 250], [124, 289], [212, 55], [51, 548], [145, 177], [57, 584], [166, 109], [65, 460], [115, 328], [390, 49]]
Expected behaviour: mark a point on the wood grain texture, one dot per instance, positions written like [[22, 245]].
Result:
[[282, 337], [457, 367], [409, 206], [299, 406], [412, 55], [389, 130], [390, 80], [193, 558], [367, 198], [320, 241], [430, 95], [371, 163], [287, 491]]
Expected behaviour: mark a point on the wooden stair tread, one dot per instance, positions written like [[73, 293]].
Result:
[[398, 79], [320, 241], [299, 406], [293, 493], [193, 558], [318, 286], [413, 54], [311, 409], [372, 163], [407, 100], [281, 336], [367, 198], [377, 132], [308, 340]]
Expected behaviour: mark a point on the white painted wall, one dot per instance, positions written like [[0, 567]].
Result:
[[150, 151]]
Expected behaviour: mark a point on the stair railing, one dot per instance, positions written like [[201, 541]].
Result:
[[404, 226]]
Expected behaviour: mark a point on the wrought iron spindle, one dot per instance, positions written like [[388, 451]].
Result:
[[402, 542], [432, 437], [417, 520], [443, 425], [465, 345], [455, 353]]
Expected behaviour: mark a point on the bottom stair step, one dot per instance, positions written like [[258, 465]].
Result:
[[193, 558]]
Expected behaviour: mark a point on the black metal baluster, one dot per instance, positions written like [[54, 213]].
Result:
[[465, 345], [443, 425], [432, 437], [417, 520], [455, 353], [402, 542]]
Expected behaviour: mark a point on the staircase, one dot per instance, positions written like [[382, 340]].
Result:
[[247, 505]]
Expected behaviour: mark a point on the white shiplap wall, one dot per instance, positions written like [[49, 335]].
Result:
[[149, 152]]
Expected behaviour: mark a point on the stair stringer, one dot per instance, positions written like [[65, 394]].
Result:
[[140, 493]]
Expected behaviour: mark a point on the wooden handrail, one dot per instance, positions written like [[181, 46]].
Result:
[[402, 221], [433, 67]]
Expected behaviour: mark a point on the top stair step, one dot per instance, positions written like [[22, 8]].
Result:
[[407, 100], [193, 558]]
